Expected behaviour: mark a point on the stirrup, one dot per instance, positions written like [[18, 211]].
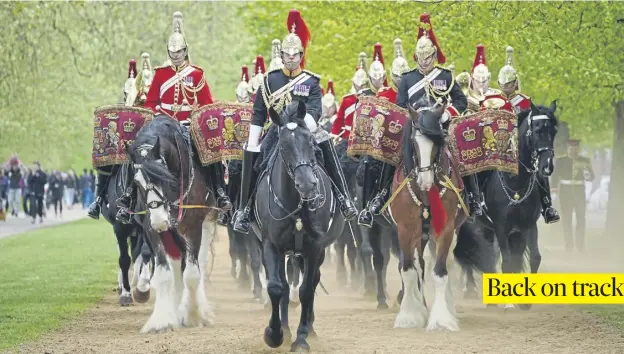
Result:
[[365, 218]]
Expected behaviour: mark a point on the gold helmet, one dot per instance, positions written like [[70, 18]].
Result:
[[145, 77], [427, 43], [361, 76], [176, 40], [507, 73], [276, 59], [258, 74], [399, 64], [297, 39], [377, 71], [480, 71], [130, 91]]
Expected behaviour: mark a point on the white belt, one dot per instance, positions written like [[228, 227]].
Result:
[[347, 128], [572, 182], [182, 108]]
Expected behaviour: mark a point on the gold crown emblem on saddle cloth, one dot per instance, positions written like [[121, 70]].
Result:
[[502, 124], [245, 115], [212, 123], [366, 109], [469, 134], [395, 127], [129, 126]]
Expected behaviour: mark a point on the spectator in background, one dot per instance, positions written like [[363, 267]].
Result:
[[36, 184], [26, 191], [70, 188], [15, 178], [57, 189], [86, 186], [4, 186]]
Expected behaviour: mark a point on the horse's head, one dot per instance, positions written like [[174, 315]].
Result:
[[537, 132], [427, 137], [296, 148], [156, 163]]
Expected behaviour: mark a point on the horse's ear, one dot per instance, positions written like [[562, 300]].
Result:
[[275, 117], [301, 110], [553, 106], [156, 147]]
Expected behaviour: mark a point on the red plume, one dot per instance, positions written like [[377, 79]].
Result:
[[425, 25], [301, 30], [260, 68], [479, 57], [378, 55], [438, 213], [245, 73], [132, 70], [330, 87]]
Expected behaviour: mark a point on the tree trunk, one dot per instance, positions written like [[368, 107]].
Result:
[[615, 221]]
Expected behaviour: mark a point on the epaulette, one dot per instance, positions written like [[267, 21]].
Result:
[[312, 74], [161, 67], [274, 70], [197, 67], [523, 95]]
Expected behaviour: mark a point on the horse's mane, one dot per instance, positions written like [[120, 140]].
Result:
[[408, 147], [160, 129]]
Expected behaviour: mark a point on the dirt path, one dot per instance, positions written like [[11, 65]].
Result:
[[345, 322]]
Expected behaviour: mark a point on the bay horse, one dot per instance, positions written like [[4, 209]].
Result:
[[431, 201], [171, 179], [513, 201], [119, 181], [296, 213]]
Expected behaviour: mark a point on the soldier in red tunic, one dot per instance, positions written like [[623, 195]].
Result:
[[178, 90], [344, 117], [329, 107], [257, 76], [510, 86]]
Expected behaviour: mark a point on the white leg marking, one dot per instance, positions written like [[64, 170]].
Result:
[[413, 313], [209, 230], [425, 147], [441, 316], [136, 270], [120, 279], [144, 279], [194, 310], [164, 316]]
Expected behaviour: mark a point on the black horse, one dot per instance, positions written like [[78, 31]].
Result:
[[170, 179], [513, 202], [296, 213], [118, 182]]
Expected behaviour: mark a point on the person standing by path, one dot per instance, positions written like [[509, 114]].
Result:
[[36, 183], [70, 188], [57, 187]]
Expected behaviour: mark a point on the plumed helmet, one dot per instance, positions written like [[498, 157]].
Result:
[[276, 59], [243, 88], [480, 71], [361, 76], [329, 98], [508, 73], [399, 64], [426, 45], [298, 36], [377, 71], [177, 41]]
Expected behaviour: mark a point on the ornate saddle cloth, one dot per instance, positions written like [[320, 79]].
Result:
[[113, 127], [377, 130], [219, 131], [486, 140]]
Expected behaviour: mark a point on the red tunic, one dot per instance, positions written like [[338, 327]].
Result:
[[168, 91], [496, 101], [344, 118], [388, 93], [520, 102]]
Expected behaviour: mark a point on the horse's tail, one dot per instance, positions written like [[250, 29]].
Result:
[[473, 251]]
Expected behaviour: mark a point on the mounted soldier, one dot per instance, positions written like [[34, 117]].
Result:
[[377, 71], [399, 67], [428, 79], [479, 82], [178, 90], [276, 59], [243, 90], [329, 107], [257, 76], [344, 117], [509, 84], [104, 172], [278, 88]]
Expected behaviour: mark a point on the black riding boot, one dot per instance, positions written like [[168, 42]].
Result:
[[387, 171], [216, 175], [332, 165], [549, 213], [241, 222], [100, 190], [471, 184], [124, 204], [365, 218]]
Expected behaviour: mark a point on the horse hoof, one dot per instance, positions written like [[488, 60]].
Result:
[[273, 338], [125, 300], [525, 307], [140, 296], [382, 306], [300, 347]]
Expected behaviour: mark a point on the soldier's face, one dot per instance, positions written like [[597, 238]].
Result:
[[426, 64], [396, 79], [377, 83], [291, 62], [509, 87], [481, 86], [177, 58]]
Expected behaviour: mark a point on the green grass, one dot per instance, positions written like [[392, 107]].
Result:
[[49, 276], [612, 314]]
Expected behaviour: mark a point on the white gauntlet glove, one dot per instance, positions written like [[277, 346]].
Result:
[[253, 142], [310, 123]]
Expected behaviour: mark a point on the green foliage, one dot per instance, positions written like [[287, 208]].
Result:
[[569, 51], [51, 275], [61, 60]]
